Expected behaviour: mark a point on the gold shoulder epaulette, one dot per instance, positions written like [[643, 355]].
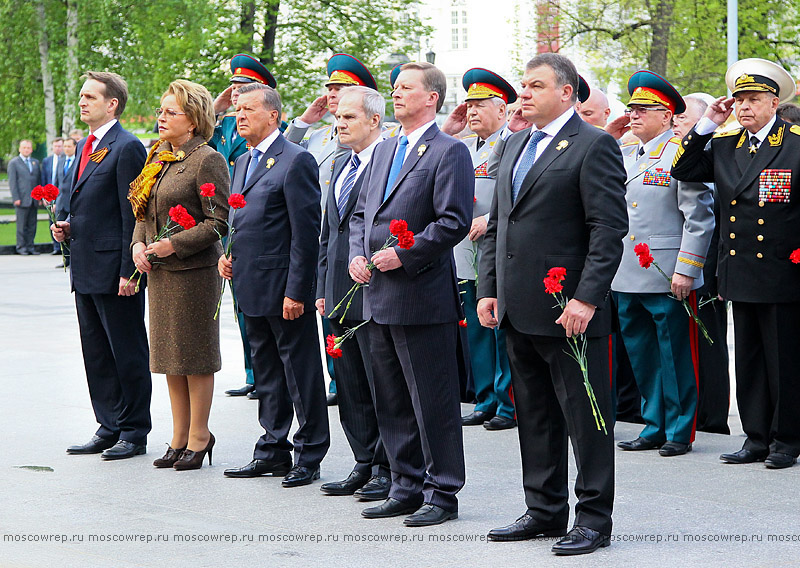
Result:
[[469, 136], [675, 140], [634, 143], [724, 134], [795, 129]]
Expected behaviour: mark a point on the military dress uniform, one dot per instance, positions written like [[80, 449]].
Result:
[[226, 141], [488, 355], [759, 220], [676, 220]]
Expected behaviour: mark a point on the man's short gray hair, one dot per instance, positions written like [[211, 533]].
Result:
[[371, 100], [698, 101], [564, 69], [271, 99]]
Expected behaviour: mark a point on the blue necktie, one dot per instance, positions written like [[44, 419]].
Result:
[[67, 164], [526, 163], [254, 156], [28, 163], [347, 185], [397, 165]]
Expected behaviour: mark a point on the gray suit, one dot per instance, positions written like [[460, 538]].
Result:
[[322, 143], [21, 181]]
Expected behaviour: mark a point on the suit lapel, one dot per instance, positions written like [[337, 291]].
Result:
[[764, 156], [513, 147], [413, 156], [106, 141], [341, 162], [264, 164], [353, 199], [556, 148]]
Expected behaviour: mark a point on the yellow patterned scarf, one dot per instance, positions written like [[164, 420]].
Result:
[[143, 184]]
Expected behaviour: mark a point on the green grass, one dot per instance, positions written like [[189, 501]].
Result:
[[8, 233]]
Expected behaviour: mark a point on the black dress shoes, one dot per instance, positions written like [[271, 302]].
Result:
[[476, 418], [429, 515], [258, 468], [777, 460], [332, 399], [674, 449], [123, 450], [500, 423], [743, 456], [349, 486], [389, 508], [524, 528], [253, 395], [639, 444], [581, 540], [93, 446], [243, 391], [300, 475], [376, 489]]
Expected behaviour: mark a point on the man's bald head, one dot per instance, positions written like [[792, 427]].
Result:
[[595, 109]]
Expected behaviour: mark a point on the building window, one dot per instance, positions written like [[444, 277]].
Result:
[[454, 39], [463, 17], [464, 43], [454, 17]]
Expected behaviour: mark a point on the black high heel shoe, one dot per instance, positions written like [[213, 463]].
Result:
[[169, 459], [194, 460]]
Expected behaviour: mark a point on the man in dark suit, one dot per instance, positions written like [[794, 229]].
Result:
[[425, 178], [755, 169], [23, 175], [66, 172], [110, 312], [559, 203], [50, 167], [274, 261], [359, 116]]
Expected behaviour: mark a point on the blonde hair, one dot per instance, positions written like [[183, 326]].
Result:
[[196, 102]]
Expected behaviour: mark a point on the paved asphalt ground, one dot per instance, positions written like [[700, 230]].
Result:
[[684, 511]]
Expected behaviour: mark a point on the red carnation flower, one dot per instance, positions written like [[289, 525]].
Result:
[[397, 227], [552, 285], [37, 192], [643, 252], [236, 200], [332, 346], [405, 240], [795, 256], [181, 216], [49, 192], [641, 248], [463, 323], [208, 190], [557, 272]]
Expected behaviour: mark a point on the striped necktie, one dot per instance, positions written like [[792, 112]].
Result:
[[347, 185], [526, 163]]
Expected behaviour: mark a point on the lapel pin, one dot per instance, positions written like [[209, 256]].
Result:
[[561, 145], [421, 149], [270, 163]]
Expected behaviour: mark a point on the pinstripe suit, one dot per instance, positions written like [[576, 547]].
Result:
[[414, 312], [353, 368]]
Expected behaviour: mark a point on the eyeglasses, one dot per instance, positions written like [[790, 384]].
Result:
[[168, 111], [642, 111]]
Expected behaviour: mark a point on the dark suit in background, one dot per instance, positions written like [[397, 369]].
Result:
[[355, 397], [570, 212], [414, 312], [275, 252], [113, 335], [21, 181]]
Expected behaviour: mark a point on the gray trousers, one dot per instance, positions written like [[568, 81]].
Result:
[[26, 228]]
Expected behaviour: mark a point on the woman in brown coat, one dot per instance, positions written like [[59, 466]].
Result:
[[184, 285]]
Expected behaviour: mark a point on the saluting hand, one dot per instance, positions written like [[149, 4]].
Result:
[[316, 110], [457, 121], [619, 126], [720, 110], [223, 101]]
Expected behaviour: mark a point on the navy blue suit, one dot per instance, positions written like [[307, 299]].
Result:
[[113, 335], [414, 312], [275, 249], [353, 368]]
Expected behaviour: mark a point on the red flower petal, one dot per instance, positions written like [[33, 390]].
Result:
[[557, 272], [795, 256], [208, 190], [236, 200], [397, 227]]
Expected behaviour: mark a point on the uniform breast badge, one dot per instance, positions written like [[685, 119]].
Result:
[[657, 177], [775, 186], [98, 156]]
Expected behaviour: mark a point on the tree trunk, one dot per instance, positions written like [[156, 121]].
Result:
[[247, 24], [71, 94], [662, 26], [270, 27], [47, 77]]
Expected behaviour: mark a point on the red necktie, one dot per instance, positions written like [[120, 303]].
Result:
[[87, 149]]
